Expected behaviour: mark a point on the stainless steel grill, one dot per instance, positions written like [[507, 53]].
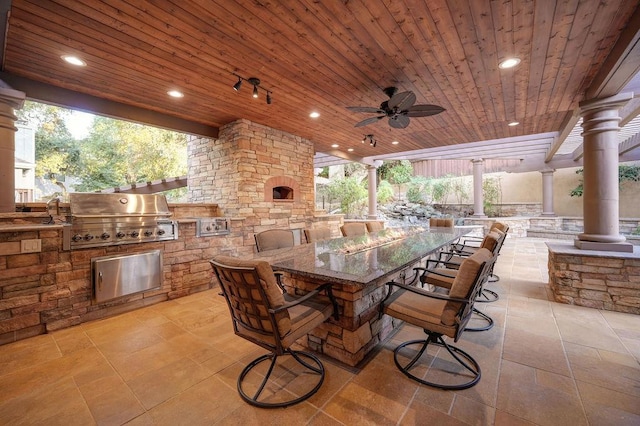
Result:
[[112, 219]]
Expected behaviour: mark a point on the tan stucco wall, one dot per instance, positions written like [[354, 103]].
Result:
[[527, 188]]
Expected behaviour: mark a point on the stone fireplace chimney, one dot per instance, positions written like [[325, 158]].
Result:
[[255, 172]]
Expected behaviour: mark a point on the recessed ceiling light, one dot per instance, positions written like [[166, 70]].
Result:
[[509, 63], [175, 94], [314, 114], [350, 149], [395, 143], [513, 123], [335, 145], [74, 60]]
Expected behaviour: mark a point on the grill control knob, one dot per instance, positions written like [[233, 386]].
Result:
[[120, 234], [208, 228], [76, 238], [105, 236], [88, 237], [134, 234], [148, 233], [161, 231]]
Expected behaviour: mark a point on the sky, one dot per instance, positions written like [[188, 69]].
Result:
[[79, 124]]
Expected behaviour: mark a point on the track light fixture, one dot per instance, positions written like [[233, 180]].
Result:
[[255, 82], [371, 140]]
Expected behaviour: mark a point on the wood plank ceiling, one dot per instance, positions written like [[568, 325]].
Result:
[[324, 56]]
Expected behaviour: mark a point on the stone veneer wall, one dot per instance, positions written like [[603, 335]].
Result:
[[233, 170], [596, 279], [52, 289]]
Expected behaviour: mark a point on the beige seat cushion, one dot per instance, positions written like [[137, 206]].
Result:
[[421, 311], [438, 279]]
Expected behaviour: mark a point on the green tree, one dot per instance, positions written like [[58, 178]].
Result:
[[350, 191], [492, 195], [118, 153], [625, 174], [441, 189], [57, 151], [460, 189], [399, 173], [385, 192], [419, 189]]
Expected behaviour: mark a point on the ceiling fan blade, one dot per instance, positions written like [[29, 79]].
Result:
[[423, 110], [369, 121], [402, 100], [365, 109], [399, 121]]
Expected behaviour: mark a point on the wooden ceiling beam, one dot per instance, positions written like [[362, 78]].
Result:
[[54, 95]]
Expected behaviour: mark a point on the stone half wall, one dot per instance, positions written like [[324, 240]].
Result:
[[596, 279], [239, 170]]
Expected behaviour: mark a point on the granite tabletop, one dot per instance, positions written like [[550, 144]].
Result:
[[363, 259]]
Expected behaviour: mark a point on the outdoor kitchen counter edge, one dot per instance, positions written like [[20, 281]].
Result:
[[27, 227]]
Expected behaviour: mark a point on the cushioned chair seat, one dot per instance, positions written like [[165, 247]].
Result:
[[440, 277], [419, 312]]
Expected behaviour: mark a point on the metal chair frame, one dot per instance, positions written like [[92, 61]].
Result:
[[232, 279]]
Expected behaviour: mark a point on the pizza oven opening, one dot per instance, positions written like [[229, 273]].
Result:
[[282, 193]]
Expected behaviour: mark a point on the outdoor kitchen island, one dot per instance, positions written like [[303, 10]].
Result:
[[358, 268]]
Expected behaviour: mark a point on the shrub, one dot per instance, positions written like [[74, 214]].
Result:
[[385, 192]]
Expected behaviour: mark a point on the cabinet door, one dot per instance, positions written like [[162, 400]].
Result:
[[121, 275]]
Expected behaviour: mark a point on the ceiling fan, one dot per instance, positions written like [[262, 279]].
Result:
[[398, 108]]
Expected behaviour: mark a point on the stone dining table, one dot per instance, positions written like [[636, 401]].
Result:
[[358, 267]]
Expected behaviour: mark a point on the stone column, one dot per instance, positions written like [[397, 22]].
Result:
[[601, 194], [478, 197], [373, 191], [9, 100], [547, 192]]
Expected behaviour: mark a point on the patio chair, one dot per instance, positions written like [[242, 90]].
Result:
[[273, 239], [262, 315], [374, 226], [316, 234], [441, 222], [439, 315], [353, 229], [441, 273]]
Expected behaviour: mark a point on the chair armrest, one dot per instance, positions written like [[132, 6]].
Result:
[[324, 287], [422, 292], [430, 271], [439, 262]]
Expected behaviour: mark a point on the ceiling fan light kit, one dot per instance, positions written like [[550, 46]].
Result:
[[255, 82], [398, 109]]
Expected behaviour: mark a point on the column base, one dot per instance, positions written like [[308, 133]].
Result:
[[479, 215], [621, 247], [547, 214]]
